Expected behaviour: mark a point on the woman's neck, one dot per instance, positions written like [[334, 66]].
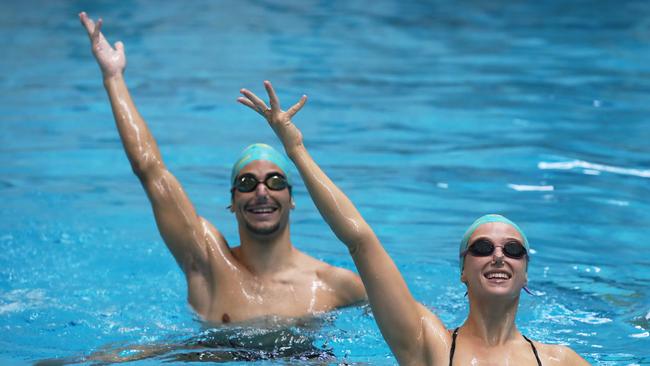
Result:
[[492, 320]]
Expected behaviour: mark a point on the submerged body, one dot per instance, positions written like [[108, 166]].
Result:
[[254, 341]]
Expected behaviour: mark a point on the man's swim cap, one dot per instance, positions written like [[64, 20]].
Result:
[[464, 243], [260, 151]]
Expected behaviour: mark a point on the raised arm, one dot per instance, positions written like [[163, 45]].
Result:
[[405, 324], [182, 229]]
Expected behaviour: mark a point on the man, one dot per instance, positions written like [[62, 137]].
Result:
[[266, 275]]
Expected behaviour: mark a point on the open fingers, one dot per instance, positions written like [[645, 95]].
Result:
[[87, 23], [298, 106], [97, 31], [248, 103], [273, 98], [94, 29], [257, 103]]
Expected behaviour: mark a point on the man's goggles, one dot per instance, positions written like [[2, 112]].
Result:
[[248, 182]]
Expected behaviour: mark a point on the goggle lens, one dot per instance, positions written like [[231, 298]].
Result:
[[276, 182], [248, 182]]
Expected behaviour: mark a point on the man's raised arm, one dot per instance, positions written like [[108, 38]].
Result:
[[397, 313], [185, 233]]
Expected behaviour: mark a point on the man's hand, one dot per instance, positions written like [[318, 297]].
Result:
[[278, 119], [112, 61]]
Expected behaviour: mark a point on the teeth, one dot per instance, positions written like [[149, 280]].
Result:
[[262, 210], [498, 275]]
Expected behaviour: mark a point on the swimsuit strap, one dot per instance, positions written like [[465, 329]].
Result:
[[453, 346], [539, 363]]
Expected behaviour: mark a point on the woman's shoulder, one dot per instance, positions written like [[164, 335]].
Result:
[[556, 354]]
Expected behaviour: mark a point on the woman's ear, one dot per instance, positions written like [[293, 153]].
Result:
[[526, 279]]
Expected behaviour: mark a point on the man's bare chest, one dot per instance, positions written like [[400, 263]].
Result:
[[248, 297]]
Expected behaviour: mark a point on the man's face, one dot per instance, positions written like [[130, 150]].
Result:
[[496, 273], [263, 211]]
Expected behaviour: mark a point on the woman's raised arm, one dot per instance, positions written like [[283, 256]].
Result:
[[402, 320]]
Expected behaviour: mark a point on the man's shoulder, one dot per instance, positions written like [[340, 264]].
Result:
[[344, 282], [330, 273], [322, 269], [306, 261]]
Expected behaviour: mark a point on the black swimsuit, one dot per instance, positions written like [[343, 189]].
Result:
[[453, 348]]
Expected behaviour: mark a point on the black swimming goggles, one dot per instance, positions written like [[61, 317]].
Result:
[[248, 182], [483, 248]]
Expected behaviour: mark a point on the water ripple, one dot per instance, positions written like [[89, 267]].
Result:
[[593, 168]]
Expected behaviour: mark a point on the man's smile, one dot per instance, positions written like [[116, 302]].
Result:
[[261, 209]]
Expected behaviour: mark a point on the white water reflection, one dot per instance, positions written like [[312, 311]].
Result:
[[589, 168]]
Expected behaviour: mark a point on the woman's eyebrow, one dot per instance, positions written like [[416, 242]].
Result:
[[486, 237]]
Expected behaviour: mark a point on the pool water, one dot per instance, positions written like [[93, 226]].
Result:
[[427, 114]]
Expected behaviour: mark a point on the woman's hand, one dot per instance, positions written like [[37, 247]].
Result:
[[279, 120], [112, 61]]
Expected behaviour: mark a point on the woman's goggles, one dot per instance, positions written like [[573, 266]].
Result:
[[248, 182], [484, 248]]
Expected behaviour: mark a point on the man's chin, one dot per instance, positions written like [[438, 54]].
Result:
[[263, 230]]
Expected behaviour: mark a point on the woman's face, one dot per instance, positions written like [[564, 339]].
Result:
[[495, 274]]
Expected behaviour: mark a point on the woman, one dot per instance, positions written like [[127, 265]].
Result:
[[493, 257]]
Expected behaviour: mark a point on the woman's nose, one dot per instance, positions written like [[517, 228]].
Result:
[[497, 257]]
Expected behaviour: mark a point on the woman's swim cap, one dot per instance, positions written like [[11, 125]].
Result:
[[464, 243], [260, 151]]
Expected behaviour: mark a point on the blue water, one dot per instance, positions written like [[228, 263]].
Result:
[[426, 114]]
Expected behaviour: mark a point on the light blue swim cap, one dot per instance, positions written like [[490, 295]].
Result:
[[260, 151], [464, 243]]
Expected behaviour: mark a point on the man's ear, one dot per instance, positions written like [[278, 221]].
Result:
[[232, 201], [293, 203]]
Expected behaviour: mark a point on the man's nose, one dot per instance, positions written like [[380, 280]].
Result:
[[261, 190]]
